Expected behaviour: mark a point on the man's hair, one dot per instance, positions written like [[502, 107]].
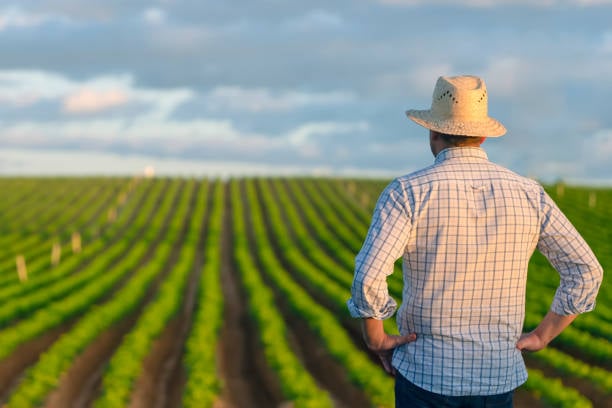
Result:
[[457, 141]]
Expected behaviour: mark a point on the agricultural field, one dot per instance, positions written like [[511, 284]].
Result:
[[170, 292]]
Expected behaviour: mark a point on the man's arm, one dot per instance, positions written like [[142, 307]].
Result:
[[382, 343], [383, 245], [550, 327], [580, 273]]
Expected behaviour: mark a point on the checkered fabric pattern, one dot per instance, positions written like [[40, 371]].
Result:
[[466, 229]]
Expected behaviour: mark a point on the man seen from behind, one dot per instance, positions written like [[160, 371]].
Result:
[[465, 229]]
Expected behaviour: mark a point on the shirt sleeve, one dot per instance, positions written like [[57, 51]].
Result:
[[384, 244], [580, 272]]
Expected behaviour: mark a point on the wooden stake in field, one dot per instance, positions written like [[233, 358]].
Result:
[[76, 243], [560, 190], [365, 200], [56, 253], [351, 187], [592, 199], [22, 270], [122, 198], [112, 214]]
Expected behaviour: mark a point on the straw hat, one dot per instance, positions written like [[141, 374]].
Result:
[[459, 107]]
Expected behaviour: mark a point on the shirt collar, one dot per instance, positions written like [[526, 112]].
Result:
[[460, 153]]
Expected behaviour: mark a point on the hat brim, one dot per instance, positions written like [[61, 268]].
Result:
[[486, 128]]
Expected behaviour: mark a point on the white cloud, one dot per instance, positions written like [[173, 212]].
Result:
[[511, 75], [304, 133], [22, 88], [27, 87], [182, 39], [16, 17], [598, 146], [163, 102], [103, 132], [606, 45], [87, 100], [264, 100], [423, 78], [154, 15], [315, 20]]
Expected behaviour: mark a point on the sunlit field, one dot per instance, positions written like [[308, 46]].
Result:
[[169, 292]]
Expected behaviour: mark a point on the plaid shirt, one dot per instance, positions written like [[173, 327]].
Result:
[[466, 229]]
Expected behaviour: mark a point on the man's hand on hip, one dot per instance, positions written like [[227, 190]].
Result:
[[382, 343], [550, 327], [530, 342]]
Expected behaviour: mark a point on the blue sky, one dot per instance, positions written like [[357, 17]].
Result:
[[318, 87]]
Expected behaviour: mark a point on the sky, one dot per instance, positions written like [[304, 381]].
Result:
[[223, 88]]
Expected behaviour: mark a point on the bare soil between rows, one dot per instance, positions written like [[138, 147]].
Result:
[[248, 381], [330, 374], [13, 367], [522, 398]]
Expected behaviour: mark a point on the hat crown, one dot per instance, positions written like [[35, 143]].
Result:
[[460, 97], [459, 107]]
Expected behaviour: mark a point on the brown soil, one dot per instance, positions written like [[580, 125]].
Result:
[[163, 377], [12, 367], [329, 374], [155, 369], [597, 396], [582, 355], [350, 325], [522, 397], [79, 385], [247, 379], [525, 399]]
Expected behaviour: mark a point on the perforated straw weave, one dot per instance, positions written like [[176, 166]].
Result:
[[459, 106]]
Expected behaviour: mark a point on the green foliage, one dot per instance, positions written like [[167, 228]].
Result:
[[371, 378], [296, 383], [45, 375], [299, 236], [126, 364], [554, 392], [203, 385]]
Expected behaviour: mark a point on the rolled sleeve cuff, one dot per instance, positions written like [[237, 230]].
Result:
[[566, 308], [385, 312]]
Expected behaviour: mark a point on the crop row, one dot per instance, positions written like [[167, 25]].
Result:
[[203, 385], [95, 250], [329, 228], [127, 362], [296, 382], [66, 308], [574, 337], [320, 272], [293, 243], [42, 289], [46, 374], [361, 371], [35, 246]]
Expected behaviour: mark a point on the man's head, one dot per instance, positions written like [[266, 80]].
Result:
[[459, 106], [440, 141]]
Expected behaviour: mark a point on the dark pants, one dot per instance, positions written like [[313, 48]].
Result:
[[408, 395]]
